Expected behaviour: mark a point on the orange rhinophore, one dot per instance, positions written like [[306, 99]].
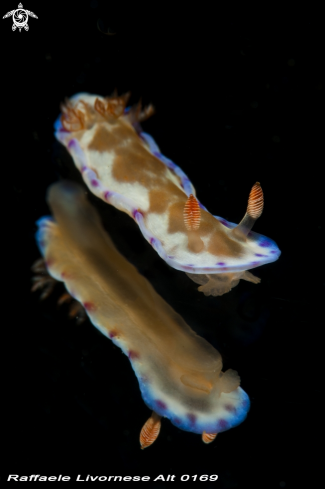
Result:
[[208, 437], [255, 201], [192, 214], [253, 212], [150, 430]]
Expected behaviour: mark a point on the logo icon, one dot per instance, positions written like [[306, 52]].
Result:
[[20, 18]]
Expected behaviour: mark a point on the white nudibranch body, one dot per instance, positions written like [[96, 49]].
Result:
[[123, 166]]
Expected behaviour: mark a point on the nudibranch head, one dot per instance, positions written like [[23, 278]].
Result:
[[179, 373], [123, 166]]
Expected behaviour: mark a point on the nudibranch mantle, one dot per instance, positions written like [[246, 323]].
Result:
[[123, 166], [179, 372]]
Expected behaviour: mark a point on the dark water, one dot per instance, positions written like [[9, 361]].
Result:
[[237, 101]]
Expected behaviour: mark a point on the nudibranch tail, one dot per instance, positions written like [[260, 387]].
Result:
[[150, 430], [192, 214], [254, 210], [208, 437]]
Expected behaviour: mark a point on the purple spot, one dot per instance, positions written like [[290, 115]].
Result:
[[273, 251], [264, 243], [222, 425], [89, 306], [112, 334], [144, 379], [168, 163], [224, 222], [84, 168], [160, 404], [71, 143], [177, 420], [107, 194], [170, 256], [133, 355], [254, 263], [259, 254], [230, 408], [250, 234], [94, 183], [244, 403], [192, 418], [156, 153], [152, 241], [221, 263], [190, 265]]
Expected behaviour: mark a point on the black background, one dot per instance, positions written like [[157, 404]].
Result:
[[239, 99]]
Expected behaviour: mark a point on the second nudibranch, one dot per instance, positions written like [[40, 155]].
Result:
[[123, 166], [179, 373]]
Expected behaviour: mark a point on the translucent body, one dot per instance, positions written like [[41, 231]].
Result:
[[179, 372]]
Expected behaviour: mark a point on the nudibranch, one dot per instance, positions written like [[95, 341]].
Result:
[[123, 166], [179, 373]]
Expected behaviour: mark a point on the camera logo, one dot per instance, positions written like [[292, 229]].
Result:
[[20, 18]]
